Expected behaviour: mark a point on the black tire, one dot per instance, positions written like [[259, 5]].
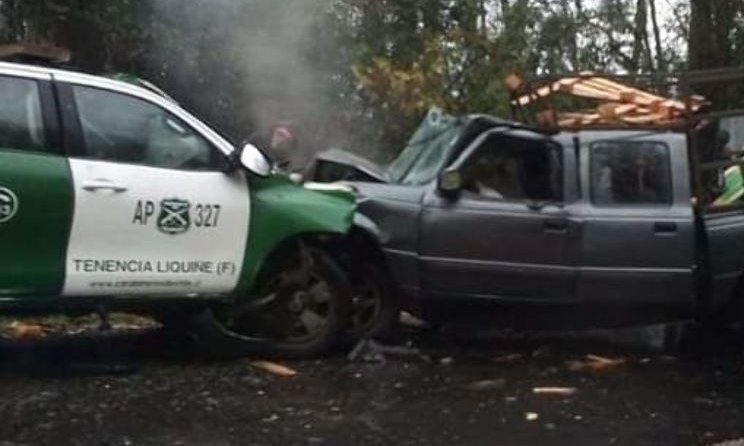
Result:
[[375, 310], [306, 309]]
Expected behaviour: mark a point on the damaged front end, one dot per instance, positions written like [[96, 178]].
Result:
[[282, 211], [293, 298], [437, 130], [438, 140]]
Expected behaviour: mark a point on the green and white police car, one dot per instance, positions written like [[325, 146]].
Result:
[[114, 197]]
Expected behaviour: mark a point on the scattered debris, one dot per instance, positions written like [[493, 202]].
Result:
[[739, 442], [64, 326], [369, 350], [605, 362], [541, 351], [397, 350], [595, 363], [446, 361], [557, 391], [274, 368], [365, 352], [411, 321], [531, 416], [270, 419], [507, 358], [488, 384], [21, 331]]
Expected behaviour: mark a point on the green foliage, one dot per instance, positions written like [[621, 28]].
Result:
[[103, 33], [363, 72]]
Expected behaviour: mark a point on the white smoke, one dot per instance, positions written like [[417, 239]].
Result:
[[260, 56]]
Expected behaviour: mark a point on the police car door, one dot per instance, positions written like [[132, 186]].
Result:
[[35, 198], [154, 211]]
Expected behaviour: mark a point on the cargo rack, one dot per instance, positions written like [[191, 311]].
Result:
[[596, 100], [691, 102]]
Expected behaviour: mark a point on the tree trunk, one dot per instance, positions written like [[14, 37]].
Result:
[[483, 14], [711, 46], [711, 24], [660, 60], [640, 35], [14, 20], [573, 23], [504, 9]]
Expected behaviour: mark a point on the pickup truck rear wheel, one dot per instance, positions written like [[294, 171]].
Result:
[[302, 309]]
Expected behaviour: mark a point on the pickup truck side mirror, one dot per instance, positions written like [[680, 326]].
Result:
[[253, 159], [450, 183]]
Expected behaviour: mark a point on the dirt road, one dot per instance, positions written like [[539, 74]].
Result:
[[135, 389]]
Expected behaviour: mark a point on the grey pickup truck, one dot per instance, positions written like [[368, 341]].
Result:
[[586, 228]]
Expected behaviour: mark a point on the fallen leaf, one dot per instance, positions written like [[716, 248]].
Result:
[[738, 442], [595, 363], [487, 384], [603, 360], [274, 368], [600, 362], [446, 361], [558, 391], [507, 358], [411, 321], [22, 331], [576, 366], [540, 351]]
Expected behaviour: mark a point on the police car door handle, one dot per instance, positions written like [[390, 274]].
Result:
[[96, 185]]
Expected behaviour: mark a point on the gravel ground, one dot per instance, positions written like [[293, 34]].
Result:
[[133, 387]]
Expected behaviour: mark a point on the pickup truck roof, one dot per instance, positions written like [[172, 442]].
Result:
[[566, 137]]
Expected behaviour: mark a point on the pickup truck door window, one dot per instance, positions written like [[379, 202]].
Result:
[[153, 212], [623, 175], [638, 232], [507, 235], [35, 192]]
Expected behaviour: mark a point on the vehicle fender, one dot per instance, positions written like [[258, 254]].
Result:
[[282, 210], [366, 224]]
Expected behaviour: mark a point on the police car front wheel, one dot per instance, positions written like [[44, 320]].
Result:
[[304, 305]]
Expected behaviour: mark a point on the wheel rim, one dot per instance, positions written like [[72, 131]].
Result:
[[306, 310], [298, 307], [366, 305]]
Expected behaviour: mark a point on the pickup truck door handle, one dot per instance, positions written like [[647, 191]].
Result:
[[556, 225], [96, 185], [665, 227]]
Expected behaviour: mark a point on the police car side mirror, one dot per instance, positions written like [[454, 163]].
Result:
[[253, 159]]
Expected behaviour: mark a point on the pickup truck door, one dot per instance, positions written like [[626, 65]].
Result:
[[154, 212], [509, 238], [35, 188], [638, 241]]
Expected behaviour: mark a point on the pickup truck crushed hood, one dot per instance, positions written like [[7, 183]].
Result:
[[439, 139], [349, 166]]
